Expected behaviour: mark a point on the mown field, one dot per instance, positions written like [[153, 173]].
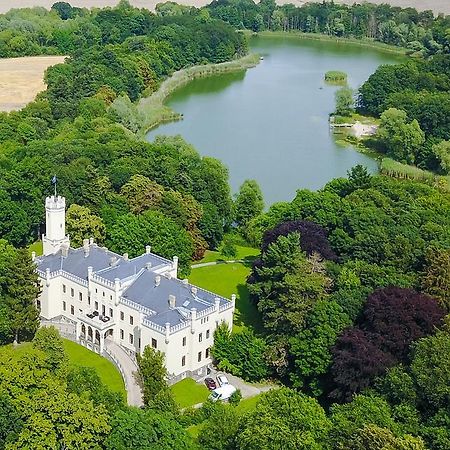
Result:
[[21, 79]]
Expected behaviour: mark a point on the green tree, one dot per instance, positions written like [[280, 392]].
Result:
[[436, 276], [249, 202], [344, 101], [82, 224], [19, 296], [157, 394], [142, 193], [48, 340], [284, 420], [442, 153], [228, 249], [401, 139], [220, 430]]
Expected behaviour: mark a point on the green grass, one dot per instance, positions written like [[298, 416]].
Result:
[[80, 356], [106, 370], [243, 253], [227, 279], [36, 247], [396, 169], [247, 404], [188, 393]]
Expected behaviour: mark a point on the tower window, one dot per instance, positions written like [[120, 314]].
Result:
[[80, 296], [131, 320], [154, 343], [121, 334], [64, 288], [131, 338], [72, 310], [64, 306], [184, 341], [72, 292], [183, 361], [199, 357]]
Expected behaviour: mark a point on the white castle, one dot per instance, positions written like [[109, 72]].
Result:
[[131, 302]]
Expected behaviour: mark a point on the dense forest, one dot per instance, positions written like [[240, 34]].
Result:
[[352, 282]]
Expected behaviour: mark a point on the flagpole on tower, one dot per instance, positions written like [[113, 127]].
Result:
[[54, 181]]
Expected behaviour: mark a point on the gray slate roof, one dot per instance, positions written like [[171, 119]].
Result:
[[100, 259]]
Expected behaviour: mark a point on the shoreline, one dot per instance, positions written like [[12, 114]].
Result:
[[363, 42], [154, 112]]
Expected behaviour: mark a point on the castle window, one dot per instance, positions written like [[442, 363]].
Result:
[[103, 310], [183, 361], [131, 338], [64, 288], [121, 334], [89, 299], [184, 341], [154, 343], [110, 312], [64, 306], [72, 292], [200, 337], [96, 306], [207, 353], [122, 315], [110, 297], [199, 357], [72, 310], [80, 295], [131, 320], [207, 334]]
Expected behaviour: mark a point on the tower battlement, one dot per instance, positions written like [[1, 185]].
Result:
[[55, 202]]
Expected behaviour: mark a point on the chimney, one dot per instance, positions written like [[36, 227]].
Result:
[[185, 281], [168, 275], [65, 250], [157, 280], [194, 291], [86, 247], [112, 261], [148, 266], [91, 241], [148, 249], [172, 301], [125, 256], [33, 256]]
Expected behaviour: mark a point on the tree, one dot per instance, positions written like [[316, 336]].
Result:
[[19, 297], [143, 429], [48, 340], [82, 224], [430, 368], [284, 420], [220, 430], [311, 348], [63, 9], [401, 139], [157, 394], [10, 421], [442, 153], [249, 202], [344, 101], [228, 248], [436, 276], [359, 178], [142, 193]]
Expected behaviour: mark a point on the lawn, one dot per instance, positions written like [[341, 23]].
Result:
[[188, 393], [106, 370], [227, 279], [81, 356], [36, 247], [243, 253]]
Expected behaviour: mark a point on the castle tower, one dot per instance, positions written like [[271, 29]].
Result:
[[55, 225]]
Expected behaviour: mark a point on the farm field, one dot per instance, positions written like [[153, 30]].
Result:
[[421, 5], [21, 79]]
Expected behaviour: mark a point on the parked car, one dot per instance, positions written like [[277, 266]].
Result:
[[222, 379], [222, 393], [210, 384]]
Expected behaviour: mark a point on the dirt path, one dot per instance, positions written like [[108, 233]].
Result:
[[435, 5], [21, 79]]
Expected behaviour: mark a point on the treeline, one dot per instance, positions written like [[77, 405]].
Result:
[[420, 32], [413, 100], [352, 289], [123, 191]]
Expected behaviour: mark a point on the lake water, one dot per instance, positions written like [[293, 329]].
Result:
[[270, 123]]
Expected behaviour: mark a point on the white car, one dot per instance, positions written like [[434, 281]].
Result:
[[222, 379], [223, 392]]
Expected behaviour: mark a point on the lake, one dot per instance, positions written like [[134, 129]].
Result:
[[270, 123]]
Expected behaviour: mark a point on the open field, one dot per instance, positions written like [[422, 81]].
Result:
[[188, 393], [435, 5], [21, 79]]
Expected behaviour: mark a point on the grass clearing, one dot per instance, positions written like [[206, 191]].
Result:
[[106, 370], [243, 253], [21, 79], [228, 279], [188, 393], [36, 247]]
